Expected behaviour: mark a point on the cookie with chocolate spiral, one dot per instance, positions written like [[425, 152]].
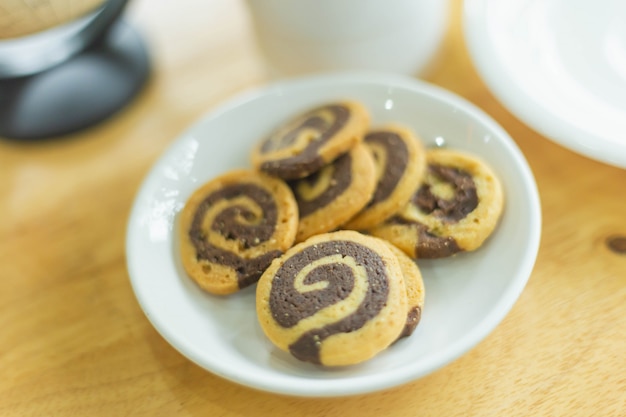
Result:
[[335, 193], [232, 227], [414, 290], [306, 143], [456, 208], [400, 160], [336, 299]]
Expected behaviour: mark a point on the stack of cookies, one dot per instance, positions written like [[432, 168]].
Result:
[[330, 223]]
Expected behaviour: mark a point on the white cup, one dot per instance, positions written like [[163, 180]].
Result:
[[304, 36]]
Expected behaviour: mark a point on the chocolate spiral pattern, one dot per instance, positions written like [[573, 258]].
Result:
[[328, 279], [429, 245], [230, 224], [448, 194], [392, 157], [460, 199], [334, 194], [321, 124], [321, 188], [295, 149], [400, 161], [456, 208]]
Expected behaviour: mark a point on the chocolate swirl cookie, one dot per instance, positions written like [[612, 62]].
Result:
[[232, 228], [308, 142], [456, 208], [335, 193], [335, 299], [414, 290], [400, 165]]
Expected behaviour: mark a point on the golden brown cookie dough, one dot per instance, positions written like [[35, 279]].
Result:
[[306, 143], [400, 165], [233, 226], [456, 208], [334, 194], [414, 289], [336, 299]]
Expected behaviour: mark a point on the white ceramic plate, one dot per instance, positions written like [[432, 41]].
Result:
[[466, 297], [558, 65]]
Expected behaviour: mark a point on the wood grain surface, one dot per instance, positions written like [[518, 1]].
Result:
[[74, 342]]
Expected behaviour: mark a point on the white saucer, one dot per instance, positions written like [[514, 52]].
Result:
[[466, 296], [558, 65]]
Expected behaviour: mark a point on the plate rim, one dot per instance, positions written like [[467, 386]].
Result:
[[520, 105], [354, 385]]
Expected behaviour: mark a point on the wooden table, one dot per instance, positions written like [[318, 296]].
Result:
[[74, 342]]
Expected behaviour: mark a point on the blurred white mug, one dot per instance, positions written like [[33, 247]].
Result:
[[304, 36]]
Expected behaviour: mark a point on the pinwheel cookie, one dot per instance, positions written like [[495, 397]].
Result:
[[414, 289], [400, 165], [306, 143], [456, 208], [232, 227], [334, 194], [336, 299]]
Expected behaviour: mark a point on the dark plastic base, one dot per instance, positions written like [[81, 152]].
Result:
[[77, 94]]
